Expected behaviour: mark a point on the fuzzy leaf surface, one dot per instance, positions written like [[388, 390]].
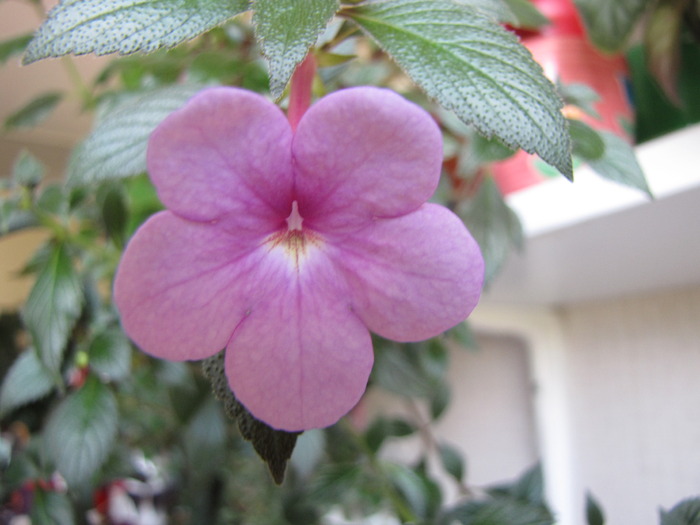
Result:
[[286, 29], [27, 380], [53, 307], [116, 148], [494, 226], [619, 163], [610, 23], [126, 26], [474, 67], [80, 432]]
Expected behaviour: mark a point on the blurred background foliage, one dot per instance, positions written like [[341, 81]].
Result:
[[96, 432]]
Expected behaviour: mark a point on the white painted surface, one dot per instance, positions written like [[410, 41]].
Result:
[[633, 372], [594, 239]]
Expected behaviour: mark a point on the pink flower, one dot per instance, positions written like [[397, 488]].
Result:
[[288, 247]]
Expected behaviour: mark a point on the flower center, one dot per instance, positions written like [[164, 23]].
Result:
[[295, 240], [294, 220]]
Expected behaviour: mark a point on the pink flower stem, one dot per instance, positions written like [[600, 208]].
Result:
[[300, 90]]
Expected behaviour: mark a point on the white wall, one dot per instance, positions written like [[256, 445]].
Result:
[[633, 368]]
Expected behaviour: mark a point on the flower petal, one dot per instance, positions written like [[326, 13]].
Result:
[[182, 287], [412, 277], [226, 153], [362, 153], [302, 358]]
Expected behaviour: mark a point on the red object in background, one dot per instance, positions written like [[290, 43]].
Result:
[[565, 53]]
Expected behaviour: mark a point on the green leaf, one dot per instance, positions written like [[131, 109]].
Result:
[[587, 142], [609, 23], [687, 512], [412, 486], [619, 163], [464, 335], [27, 380], [27, 170], [51, 508], [275, 447], [80, 432], [581, 96], [286, 29], [452, 460], [594, 514], [334, 480], [529, 488], [494, 226], [382, 428], [527, 16], [110, 355], [398, 369], [205, 438], [114, 212], [126, 26], [474, 67], [499, 10], [440, 399], [34, 112], [116, 148], [53, 307], [498, 511], [13, 46]]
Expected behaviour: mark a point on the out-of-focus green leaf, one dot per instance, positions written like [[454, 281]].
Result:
[[474, 67], [53, 200], [13, 218], [116, 147], [580, 95], [662, 44], [587, 142], [126, 26], [335, 479], [53, 307], [13, 46], [452, 460], [205, 438], [687, 512], [81, 430], [594, 514], [398, 369], [51, 508], [497, 511], [34, 112], [383, 428], [412, 486], [609, 23], [464, 335], [527, 16], [110, 355], [497, 9], [286, 29], [440, 399], [27, 170], [114, 213], [493, 224], [619, 164], [530, 486], [27, 380]]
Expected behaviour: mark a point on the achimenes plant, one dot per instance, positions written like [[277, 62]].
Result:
[[287, 239]]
